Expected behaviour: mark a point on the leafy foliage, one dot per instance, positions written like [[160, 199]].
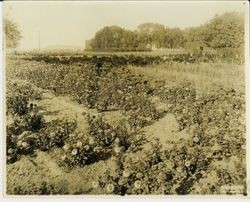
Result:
[[12, 34], [224, 31], [213, 125]]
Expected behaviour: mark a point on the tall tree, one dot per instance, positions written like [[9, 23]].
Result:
[[151, 34], [225, 31], [174, 38], [12, 34], [193, 38], [114, 37]]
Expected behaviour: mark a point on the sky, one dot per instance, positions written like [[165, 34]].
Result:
[[71, 23]]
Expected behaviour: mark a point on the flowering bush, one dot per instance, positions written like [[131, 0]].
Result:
[[18, 97], [176, 170], [18, 145], [82, 150], [25, 135], [101, 141], [54, 134], [138, 173]]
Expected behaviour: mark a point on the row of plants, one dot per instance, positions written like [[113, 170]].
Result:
[[216, 123], [185, 168], [115, 60], [101, 141], [28, 132], [225, 54], [26, 129], [213, 154], [103, 87]]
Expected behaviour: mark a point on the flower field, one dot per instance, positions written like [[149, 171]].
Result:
[[110, 152]]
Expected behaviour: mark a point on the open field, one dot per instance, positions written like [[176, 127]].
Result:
[[100, 127], [204, 77]]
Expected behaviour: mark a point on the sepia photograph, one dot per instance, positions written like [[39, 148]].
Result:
[[123, 98]]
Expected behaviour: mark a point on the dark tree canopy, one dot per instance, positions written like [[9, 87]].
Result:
[[174, 38], [224, 31], [12, 34], [114, 37], [152, 34]]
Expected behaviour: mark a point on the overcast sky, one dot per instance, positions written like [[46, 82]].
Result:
[[71, 23]]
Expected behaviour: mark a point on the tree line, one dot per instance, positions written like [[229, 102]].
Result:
[[224, 31]]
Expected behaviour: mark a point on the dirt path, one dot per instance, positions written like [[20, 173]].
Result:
[[59, 107], [30, 172], [167, 130]]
